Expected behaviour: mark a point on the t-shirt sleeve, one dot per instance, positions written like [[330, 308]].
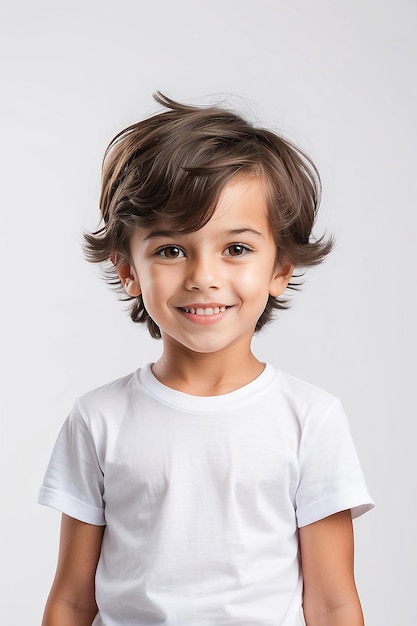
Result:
[[73, 482], [331, 478]]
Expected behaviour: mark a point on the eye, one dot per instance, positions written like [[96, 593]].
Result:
[[170, 252], [237, 249]]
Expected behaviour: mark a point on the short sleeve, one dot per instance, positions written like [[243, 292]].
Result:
[[73, 482], [331, 478]]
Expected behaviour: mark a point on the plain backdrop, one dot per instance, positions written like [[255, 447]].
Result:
[[338, 77]]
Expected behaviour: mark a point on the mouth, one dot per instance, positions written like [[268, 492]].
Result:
[[204, 315], [209, 310]]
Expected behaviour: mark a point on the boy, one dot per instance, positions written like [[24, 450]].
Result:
[[206, 489]]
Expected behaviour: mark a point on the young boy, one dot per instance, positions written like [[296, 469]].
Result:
[[206, 489]]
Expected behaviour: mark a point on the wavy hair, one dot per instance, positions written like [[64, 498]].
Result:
[[174, 165]]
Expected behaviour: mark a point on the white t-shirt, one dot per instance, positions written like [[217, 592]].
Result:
[[202, 496]]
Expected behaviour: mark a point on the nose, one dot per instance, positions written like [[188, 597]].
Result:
[[202, 273]]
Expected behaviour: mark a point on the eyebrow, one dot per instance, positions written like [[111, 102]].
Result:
[[161, 233], [245, 230]]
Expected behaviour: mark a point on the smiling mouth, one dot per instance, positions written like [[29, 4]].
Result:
[[205, 310]]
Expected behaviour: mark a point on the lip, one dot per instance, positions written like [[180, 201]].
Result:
[[204, 308], [204, 313]]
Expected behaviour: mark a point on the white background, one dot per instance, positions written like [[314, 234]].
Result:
[[339, 77]]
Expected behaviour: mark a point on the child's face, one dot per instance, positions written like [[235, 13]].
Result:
[[207, 289]]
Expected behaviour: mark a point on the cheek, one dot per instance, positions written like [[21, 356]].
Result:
[[158, 287], [253, 280], [154, 280]]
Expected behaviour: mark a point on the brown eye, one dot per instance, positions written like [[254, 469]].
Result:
[[237, 249], [170, 252]]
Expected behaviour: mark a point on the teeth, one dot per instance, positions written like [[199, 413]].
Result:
[[208, 311]]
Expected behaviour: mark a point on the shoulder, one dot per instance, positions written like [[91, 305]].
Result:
[[304, 399], [108, 400], [293, 386]]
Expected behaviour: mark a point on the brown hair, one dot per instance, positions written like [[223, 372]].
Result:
[[174, 166]]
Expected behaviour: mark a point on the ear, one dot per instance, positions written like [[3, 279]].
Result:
[[127, 276], [280, 279]]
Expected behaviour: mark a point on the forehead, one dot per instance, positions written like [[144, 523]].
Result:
[[241, 207], [242, 198]]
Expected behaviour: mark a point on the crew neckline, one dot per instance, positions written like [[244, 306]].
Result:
[[204, 404]]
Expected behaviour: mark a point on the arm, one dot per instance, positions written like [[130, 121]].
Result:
[[330, 597], [71, 601]]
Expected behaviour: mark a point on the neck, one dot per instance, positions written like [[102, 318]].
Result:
[[206, 374]]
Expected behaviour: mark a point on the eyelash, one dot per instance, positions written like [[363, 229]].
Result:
[[245, 249], [162, 251]]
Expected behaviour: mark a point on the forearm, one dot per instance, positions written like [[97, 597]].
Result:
[[343, 615]]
